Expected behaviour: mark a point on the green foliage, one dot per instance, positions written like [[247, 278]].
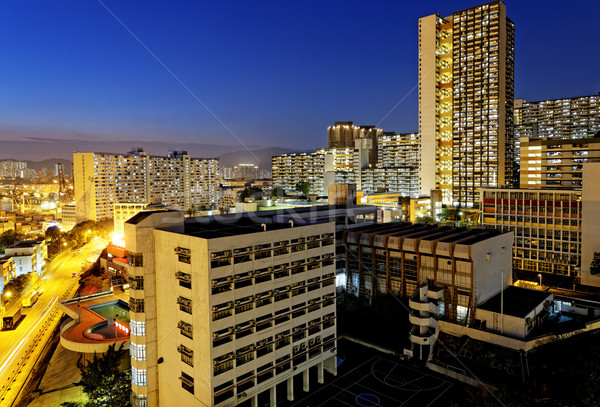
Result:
[[104, 383], [251, 192], [9, 238], [303, 187], [18, 285], [595, 266], [85, 231], [94, 280], [277, 192], [55, 238], [444, 215], [428, 219], [192, 210]]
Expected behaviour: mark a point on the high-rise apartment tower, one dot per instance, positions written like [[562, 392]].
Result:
[[176, 180], [466, 93]]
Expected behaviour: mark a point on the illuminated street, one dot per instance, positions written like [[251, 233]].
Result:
[[57, 284]]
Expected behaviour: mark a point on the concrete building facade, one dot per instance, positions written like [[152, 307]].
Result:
[[13, 169], [547, 226], [345, 134], [565, 118], [392, 163], [7, 268], [29, 256], [466, 92], [556, 163], [468, 266], [177, 180], [223, 310], [289, 169]]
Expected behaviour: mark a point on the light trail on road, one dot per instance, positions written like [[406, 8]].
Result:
[[19, 344]]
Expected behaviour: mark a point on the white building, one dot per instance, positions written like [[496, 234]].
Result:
[[28, 256], [224, 309]]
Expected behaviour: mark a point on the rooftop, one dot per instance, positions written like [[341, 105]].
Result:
[[24, 244], [137, 218], [518, 301], [447, 234], [217, 226]]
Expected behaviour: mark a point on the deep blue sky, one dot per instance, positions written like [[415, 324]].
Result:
[[277, 73]]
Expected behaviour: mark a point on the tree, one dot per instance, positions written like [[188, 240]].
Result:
[[595, 266], [277, 192], [103, 382], [251, 192], [56, 238], [18, 285], [192, 210], [9, 238], [303, 187]]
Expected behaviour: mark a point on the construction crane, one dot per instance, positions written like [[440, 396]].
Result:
[[64, 192]]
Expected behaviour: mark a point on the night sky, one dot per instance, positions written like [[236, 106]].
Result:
[[277, 73]]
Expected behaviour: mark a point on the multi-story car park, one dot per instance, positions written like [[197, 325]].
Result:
[[226, 309]]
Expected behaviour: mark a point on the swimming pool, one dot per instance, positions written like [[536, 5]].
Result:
[[109, 310], [118, 311]]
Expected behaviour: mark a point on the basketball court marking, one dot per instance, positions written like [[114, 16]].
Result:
[[387, 383]]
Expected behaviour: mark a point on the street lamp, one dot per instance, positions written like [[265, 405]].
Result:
[[540, 276]]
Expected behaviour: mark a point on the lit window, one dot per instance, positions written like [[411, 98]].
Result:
[[138, 376]]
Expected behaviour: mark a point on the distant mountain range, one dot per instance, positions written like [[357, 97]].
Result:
[[33, 149], [261, 158], [49, 165]]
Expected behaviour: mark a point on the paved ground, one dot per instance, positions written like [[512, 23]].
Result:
[[57, 385], [380, 382]]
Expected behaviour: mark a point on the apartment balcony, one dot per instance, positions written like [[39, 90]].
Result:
[[423, 321], [427, 306], [419, 339], [435, 293]]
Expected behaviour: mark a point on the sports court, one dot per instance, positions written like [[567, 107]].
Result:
[[380, 382]]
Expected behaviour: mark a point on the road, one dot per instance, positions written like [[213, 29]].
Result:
[[18, 347]]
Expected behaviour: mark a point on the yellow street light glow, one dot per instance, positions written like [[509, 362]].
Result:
[[117, 239]]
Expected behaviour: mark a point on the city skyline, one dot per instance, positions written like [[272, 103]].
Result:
[[99, 83]]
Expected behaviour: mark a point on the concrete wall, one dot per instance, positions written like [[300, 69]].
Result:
[[507, 324], [427, 101], [85, 193], [590, 229], [169, 314], [491, 258]]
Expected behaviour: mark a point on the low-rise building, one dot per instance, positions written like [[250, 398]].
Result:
[[28, 256], [547, 226], [7, 268], [468, 265], [515, 311]]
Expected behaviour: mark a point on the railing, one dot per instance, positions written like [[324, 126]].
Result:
[[87, 297]]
